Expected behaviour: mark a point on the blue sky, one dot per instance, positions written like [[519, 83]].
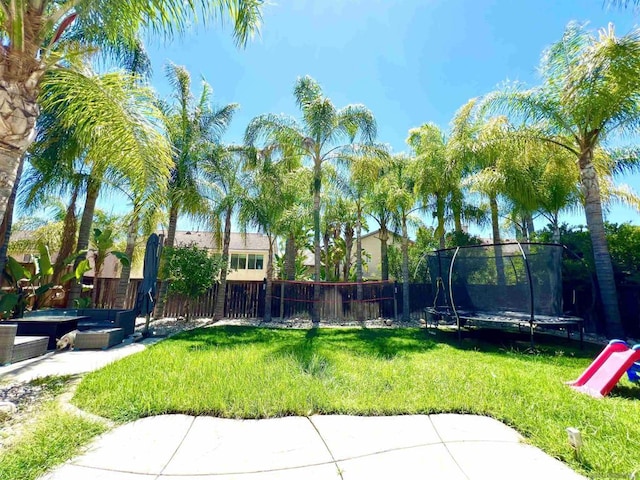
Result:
[[409, 61]]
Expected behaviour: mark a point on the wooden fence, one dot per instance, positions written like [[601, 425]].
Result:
[[338, 301], [246, 299]]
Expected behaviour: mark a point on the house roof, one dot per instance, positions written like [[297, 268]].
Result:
[[377, 233], [249, 241]]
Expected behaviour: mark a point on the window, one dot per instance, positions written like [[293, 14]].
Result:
[[256, 262], [238, 261]]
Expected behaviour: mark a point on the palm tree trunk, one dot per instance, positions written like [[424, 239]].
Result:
[[405, 271], [602, 259], [68, 240], [495, 226], [456, 206], [125, 274], [326, 240], [93, 189], [218, 311], [359, 289], [337, 261], [440, 216], [348, 248], [290, 253], [556, 273], [317, 184], [269, 283], [7, 222], [19, 111], [528, 221], [169, 242], [384, 251]]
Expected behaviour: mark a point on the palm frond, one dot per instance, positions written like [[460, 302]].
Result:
[[114, 120], [306, 91], [354, 120]]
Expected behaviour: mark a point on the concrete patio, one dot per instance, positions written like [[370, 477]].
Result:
[[445, 446]]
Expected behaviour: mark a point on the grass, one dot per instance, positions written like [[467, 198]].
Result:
[[54, 437], [243, 372]]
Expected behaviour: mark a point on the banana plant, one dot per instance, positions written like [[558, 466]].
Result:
[[37, 285]]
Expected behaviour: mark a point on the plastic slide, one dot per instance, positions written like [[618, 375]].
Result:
[[605, 371]]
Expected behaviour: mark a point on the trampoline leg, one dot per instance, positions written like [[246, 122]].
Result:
[[531, 331]]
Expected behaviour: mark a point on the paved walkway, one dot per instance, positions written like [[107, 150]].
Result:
[[69, 362], [182, 447], [338, 447]]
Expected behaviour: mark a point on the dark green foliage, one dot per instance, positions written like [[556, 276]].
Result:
[[624, 247], [426, 241], [190, 270]]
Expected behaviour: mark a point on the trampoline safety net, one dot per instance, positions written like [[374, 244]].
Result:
[[499, 277]]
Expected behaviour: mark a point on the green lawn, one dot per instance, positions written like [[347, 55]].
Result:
[[53, 437], [243, 372]]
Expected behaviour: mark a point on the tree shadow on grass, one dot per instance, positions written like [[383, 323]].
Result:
[[500, 342], [384, 344], [377, 343], [380, 343], [231, 336]]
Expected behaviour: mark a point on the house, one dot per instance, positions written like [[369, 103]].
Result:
[[248, 255], [373, 258], [371, 244]]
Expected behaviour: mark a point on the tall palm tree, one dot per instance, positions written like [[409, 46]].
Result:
[[325, 135], [434, 179], [403, 199], [364, 171], [380, 211], [590, 92], [78, 151], [224, 172], [142, 221], [41, 35], [272, 190], [192, 125], [288, 159]]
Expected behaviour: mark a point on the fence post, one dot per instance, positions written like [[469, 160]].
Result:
[[282, 300], [395, 301], [262, 304]]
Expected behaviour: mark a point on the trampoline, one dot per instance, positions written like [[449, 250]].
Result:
[[502, 285]]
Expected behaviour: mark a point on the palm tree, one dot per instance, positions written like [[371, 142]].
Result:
[[434, 179], [326, 135], [39, 36], [590, 92], [127, 121], [272, 190], [103, 244], [402, 200], [143, 220], [192, 125], [363, 172], [80, 151], [223, 169]]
